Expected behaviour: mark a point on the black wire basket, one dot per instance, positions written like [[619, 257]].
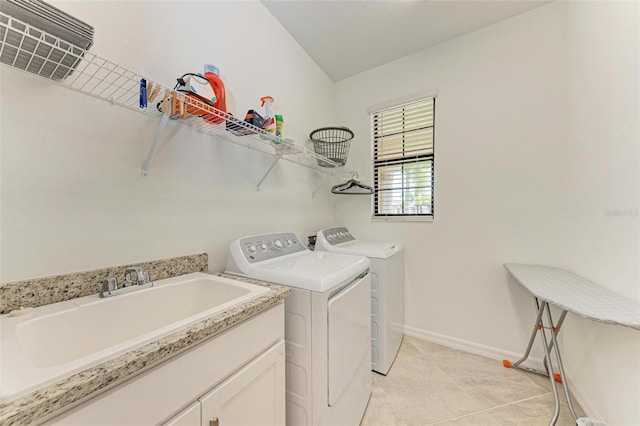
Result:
[[332, 143]]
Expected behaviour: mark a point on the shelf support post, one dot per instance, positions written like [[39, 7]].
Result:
[[154, 144]]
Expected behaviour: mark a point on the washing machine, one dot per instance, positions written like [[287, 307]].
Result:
[[387, 290], [327, 331]]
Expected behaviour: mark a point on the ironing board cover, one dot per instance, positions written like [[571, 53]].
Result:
[[576, 294]]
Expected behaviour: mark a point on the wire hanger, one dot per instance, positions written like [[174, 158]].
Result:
[[352, 186]]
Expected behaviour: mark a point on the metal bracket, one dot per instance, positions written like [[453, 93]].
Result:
[[278, 157], [156, 139]]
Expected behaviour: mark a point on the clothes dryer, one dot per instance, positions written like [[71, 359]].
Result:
[[387, 289], [327, 328]]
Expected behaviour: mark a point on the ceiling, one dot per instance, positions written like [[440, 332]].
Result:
[[347, 37]]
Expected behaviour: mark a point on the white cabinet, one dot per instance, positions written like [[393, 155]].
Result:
[[252, 396], [190, 416], [234, 376]]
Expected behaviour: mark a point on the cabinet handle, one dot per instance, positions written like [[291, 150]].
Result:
[[214, 422]]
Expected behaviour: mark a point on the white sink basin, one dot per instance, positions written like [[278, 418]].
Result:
[[56, 340]]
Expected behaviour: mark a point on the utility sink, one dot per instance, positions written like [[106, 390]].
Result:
[[57, 340]]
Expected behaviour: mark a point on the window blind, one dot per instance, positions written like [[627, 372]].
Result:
[[403, 160]]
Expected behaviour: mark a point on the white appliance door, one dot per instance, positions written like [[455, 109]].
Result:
[[349, 334]]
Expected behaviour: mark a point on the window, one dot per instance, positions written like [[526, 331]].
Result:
[[403, 158]]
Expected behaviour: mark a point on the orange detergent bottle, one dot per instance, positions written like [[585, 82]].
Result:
[[212, 73]]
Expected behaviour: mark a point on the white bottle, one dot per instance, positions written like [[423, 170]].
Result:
[[269, 125]]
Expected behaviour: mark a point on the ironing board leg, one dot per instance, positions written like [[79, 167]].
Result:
[[531, 340], [559, 358], [549, 345], [548, 364], [557, 330], [538, 326]]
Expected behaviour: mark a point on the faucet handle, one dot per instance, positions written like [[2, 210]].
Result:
[[109, 285], [128, 279], [140, 276]]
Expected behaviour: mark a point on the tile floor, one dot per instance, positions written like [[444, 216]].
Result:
[[431, 384]]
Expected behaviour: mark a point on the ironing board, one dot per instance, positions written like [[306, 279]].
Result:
[[574, 294]]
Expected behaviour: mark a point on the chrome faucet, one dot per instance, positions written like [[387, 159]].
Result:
[[140, 277], [135, 278]]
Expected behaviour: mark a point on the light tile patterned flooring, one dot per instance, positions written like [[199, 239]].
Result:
[[431, 384]]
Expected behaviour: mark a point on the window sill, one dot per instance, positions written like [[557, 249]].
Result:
[[402, 219]]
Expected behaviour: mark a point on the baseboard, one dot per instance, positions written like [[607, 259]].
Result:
[[499, 354], [471, 347]]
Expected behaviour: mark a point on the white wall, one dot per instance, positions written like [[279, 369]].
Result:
[[72, 197], [602, 199], [499, 145], [536, 150]]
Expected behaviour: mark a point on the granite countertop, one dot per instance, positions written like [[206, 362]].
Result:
[[51, 398]]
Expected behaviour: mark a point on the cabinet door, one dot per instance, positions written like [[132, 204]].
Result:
[[255, 395], [190, 416]]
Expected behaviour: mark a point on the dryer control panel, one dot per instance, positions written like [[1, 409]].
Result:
[[337, 235], [259, 248]]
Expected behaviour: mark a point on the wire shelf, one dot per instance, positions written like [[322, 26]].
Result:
[[29, 49]]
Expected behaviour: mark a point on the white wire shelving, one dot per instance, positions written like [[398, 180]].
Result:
[[27, 48]]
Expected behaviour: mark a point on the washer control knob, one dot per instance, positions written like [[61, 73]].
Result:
[[251, 249], [278, 244], [288, 243], [262, 247]]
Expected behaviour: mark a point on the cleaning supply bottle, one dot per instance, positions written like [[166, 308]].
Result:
[[269, 125], [212, 73], [279, 126]]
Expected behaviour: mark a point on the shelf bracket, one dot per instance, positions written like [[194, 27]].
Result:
[[275, 161], [154, 144]]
